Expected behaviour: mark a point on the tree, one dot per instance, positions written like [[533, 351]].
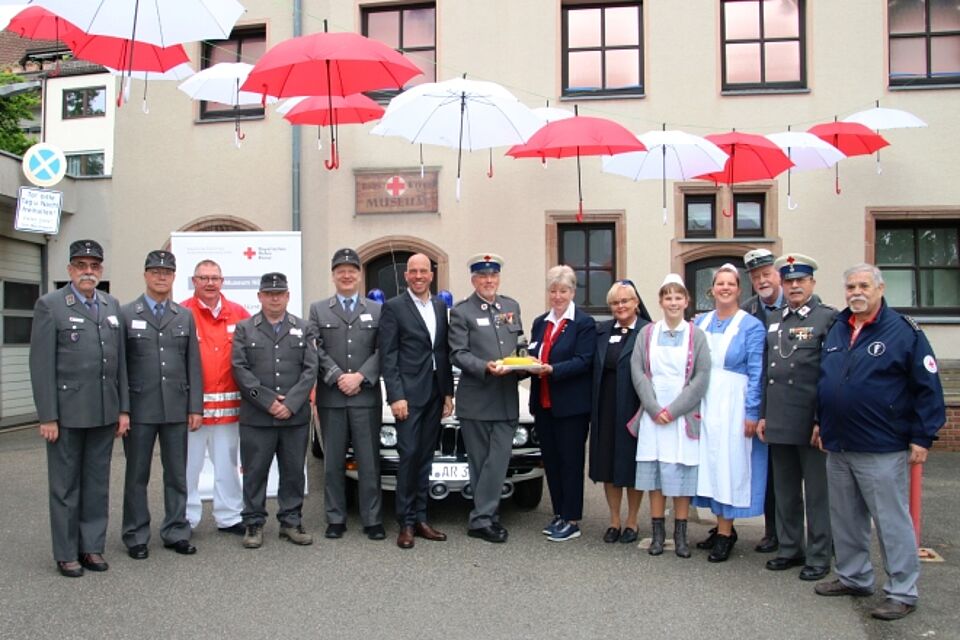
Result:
[[13, 109]]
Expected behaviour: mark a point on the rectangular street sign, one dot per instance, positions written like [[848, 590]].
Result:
[[38, 210]]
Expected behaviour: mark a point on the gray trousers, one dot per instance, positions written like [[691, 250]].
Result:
[[258, 445], [489, 444], [361, 426], [138, 450], [800, 485], [865, 486], [78, 471]]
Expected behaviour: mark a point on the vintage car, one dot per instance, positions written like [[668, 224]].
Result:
[[450, 472]]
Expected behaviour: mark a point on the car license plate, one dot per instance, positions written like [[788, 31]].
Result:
[[447, 471]]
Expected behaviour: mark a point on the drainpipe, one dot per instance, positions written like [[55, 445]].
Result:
[[295, 133]]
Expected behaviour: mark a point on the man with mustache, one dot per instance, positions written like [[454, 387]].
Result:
[[880, 405], [79, 375]]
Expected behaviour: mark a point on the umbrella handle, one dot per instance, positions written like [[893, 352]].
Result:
[[837, 186], [238, 135], [332, 163], [879, 166], [144, 107], [726, 214], [458, 188], [664, 216], [490, 170], [791, 205], [580, 212], [543, 161]]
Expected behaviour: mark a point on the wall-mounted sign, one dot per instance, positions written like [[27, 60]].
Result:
[[396, 190], [44, 164], [38, 211]]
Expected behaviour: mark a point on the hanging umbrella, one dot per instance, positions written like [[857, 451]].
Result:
[[752, 157], [852, 138], [676, 155], [578, 136], [461, 114], [882, 118], [807, 152], [222, 83], [36, 23], [329, 64], [352, 109], [178, 73], [551, 114]]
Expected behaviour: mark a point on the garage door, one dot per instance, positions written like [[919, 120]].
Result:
[[19, 289]]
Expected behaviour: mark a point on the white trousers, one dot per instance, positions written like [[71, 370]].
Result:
[[222, 441]]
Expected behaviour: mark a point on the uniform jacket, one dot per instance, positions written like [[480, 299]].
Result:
[[627, 401], [346, 343], [406, 354], [221, 398], [481, 332], [883, 393], [163, 363], [794, 342], [571, 357], [78, 368], [267, 364]]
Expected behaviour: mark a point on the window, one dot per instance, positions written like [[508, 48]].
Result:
[[924, 41], [245, 44], [85, 102], [411, 30], [748, 214], [603, 49], [589, 250], [17, 308], [920, 261], [700, 216], [763, 44], [699, 279], [85, 164]]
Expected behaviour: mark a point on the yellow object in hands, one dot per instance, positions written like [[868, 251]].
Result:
[[515, 360]]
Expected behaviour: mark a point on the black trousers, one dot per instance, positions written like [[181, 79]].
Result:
[[563, 445], [416, 443]]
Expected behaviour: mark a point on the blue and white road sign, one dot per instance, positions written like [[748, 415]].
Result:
[[44, 164]]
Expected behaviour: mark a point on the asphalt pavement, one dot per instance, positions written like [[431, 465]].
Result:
[[461, 588]]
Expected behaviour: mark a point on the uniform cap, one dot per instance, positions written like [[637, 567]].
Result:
[[672, 278], [345, 256], [273, 281], [485, 263], [795, 265], [756, 258], [160, 260], [86, 249]]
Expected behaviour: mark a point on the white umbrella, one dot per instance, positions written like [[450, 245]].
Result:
[[676, 155], [807, 152], [178, 73], [460, 114], [881, 118], [221, 83]]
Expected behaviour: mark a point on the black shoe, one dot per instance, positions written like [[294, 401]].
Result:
[[138, 552], [721, 548], [93, 562], [375, 532], [236, 529], [768, 544], [335, 530], [612, 534], [488, 533], [712, 538], [71, 569], [892, 610], [629, 536], [811, 572], [183, 547], [499, 528], [780, 564]]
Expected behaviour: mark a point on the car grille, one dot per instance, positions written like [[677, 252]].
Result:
[[451, 442]]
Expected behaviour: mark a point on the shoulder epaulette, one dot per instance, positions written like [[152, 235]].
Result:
[[507, 298], [460, 302], [910, 321]]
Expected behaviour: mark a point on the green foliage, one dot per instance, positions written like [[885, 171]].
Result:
[[13, 109]]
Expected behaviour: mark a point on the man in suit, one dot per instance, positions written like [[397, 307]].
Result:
[[789, 424], [484, 328], [415, 361], [275, 367], [79, 376], [345, 327], [764, 306], [166, 398]]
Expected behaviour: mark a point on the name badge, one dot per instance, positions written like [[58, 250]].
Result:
[[366, 317], [533, 345], [73, 319], [138, 324], [112, 321], [773, 327], [615, 339], [296, 331], [483, 322], [231, 328]]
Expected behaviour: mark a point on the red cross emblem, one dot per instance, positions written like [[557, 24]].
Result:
[[249, 253], [791, 259], [396, 186]]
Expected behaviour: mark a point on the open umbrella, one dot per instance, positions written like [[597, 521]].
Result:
[[178, 73], [852, 138], [221, 83], [676, 155], [461, 114], [578, 136], [352, 109], [807, 152], [752, 157], [883, 118]]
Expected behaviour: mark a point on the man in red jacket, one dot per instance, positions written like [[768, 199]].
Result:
[[216, 318]]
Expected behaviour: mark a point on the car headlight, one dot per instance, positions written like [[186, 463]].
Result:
[[388, 436], [520, 436]]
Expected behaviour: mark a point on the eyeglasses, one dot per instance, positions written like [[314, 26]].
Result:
[[87, 266], [206, 279]]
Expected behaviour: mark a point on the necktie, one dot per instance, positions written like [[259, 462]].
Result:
[[348, 304], [549, 335], [91, 305], [158, 311]]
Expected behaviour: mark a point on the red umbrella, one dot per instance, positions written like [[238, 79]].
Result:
[[752, 157], [578, 136], [329, 64], [852, 138], [37, 23], [325, 111]]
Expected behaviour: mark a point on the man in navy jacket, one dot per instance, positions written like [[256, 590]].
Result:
[[880, 407]]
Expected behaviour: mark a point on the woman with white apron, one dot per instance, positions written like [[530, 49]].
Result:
[[670, 368], [733, 461]]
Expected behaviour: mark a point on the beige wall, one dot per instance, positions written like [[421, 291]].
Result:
[[169, 170], [88, 135]]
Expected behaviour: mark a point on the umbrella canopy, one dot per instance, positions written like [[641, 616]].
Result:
[[37, 23], [578, 136], [852, 138], [752, 157], [882, 118], [460, 114], [120, 53], [178, 73], [221, 83], [807, 152], [353, 109]]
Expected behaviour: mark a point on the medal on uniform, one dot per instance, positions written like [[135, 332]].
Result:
[[74, 337], [483, 306]]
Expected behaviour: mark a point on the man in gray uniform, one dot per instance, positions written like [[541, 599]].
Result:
[[79, 376], [789, 424], [275, 367], [349, 402], [166, 398], [484, 328]]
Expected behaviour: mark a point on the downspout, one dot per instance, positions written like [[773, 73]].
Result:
[[295, 133]]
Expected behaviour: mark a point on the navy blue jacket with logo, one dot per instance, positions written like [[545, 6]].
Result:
[[882, 394]]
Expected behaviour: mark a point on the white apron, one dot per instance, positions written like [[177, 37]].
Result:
[[724, 473], [669, 442]]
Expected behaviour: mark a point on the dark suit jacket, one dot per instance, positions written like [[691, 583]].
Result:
[[406, 354], [627, 400], [571, 357]]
